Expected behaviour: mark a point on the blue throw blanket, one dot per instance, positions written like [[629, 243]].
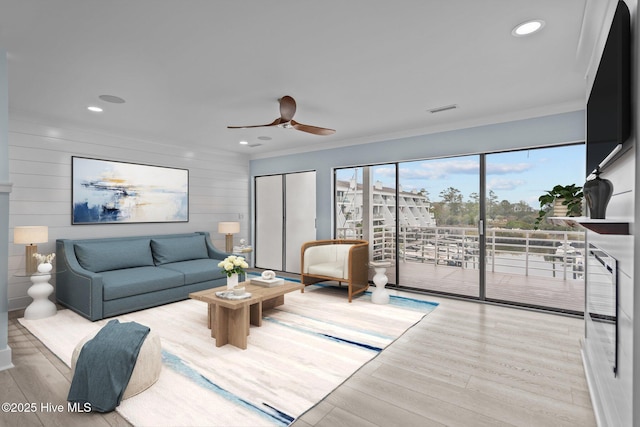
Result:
[[105, 364]]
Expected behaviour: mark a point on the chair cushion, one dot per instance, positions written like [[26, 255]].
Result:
[[141, 280], [176, 249], [320, 254], [104, 256], [197, 270], [331, 269]]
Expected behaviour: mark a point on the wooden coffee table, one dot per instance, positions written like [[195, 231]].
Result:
[[229, 319]]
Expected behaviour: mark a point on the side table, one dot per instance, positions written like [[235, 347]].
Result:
[[40, 290], [380, 295]]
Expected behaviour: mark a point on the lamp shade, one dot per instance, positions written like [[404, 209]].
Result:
[[228, 227], [31, 234]]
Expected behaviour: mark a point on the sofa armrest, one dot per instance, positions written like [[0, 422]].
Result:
[[217, 254], [77, 288], [213, 252]]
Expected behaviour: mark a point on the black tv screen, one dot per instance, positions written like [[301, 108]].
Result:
[[609, 105]]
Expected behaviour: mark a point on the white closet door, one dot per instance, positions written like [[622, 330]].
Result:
[[300, 216], [269, 222]]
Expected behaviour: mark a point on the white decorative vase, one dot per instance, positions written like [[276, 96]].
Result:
[[232, 281], [45, 267]]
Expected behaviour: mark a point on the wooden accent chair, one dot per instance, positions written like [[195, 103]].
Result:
[[340, 260]]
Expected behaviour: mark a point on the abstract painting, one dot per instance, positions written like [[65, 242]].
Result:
[[105, 191]]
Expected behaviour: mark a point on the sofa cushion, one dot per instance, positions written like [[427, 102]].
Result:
[[331, 269], [176, 249], [141, 280], [197, 270], [114, 255]]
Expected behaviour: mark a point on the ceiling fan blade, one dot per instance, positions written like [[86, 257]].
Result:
[[312, 129], [276, 122], [287, 108]]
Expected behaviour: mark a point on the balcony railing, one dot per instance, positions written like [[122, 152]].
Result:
[[558, 254]]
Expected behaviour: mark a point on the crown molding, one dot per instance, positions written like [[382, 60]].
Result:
[[5, 187]]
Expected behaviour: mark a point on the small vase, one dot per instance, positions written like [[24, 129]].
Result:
[[45, 267], [598, 192], [232, 281]]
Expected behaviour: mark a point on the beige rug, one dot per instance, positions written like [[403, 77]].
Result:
[[303, 350]]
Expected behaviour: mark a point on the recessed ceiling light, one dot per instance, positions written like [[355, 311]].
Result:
[[244, 142], [94, 109], [113, 99], [528, 27]]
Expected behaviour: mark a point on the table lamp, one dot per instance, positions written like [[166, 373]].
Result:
[[228, 228], [29, 235]]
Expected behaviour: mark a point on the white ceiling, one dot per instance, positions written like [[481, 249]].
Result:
[[370, 69]]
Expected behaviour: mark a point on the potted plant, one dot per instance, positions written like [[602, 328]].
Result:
[[566, 200]]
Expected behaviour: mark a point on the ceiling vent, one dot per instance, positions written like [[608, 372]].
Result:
[[445, 108], [255, 145]]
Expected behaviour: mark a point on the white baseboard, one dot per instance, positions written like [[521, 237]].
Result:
[[595, 399], [5, 359]]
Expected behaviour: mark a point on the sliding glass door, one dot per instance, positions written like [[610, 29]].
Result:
[[439, 213], [465, 225], [366, 209], [543, 267]]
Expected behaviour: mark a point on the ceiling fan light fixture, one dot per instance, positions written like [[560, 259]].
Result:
[[285, 121], [528, 28]]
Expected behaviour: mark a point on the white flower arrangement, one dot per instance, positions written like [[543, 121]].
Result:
[[233, 265], [44, 258]]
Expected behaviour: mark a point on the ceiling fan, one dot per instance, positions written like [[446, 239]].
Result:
[[287, 110]]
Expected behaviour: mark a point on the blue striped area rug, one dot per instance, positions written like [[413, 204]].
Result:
[[304, 349]]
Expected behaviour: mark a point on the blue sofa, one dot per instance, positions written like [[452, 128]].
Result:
[[100, 278]]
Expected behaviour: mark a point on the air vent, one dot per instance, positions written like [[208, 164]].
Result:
[[445, 108], [255, 145], [113, 99]]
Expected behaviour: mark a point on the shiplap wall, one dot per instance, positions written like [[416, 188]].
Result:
[[40, 169], [613, 396]]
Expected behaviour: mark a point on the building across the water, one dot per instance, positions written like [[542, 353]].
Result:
[[414, 208]]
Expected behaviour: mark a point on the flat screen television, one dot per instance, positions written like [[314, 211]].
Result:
[[609, 104]]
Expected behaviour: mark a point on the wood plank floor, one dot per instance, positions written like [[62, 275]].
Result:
[[542, 291], [466, 364], [40, 377]]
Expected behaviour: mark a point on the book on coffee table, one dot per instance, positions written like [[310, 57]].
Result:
[[267, 283]]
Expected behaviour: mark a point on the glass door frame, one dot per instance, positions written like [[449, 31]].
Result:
[[483, 237]]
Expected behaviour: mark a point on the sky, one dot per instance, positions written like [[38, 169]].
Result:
[[514, 176]]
